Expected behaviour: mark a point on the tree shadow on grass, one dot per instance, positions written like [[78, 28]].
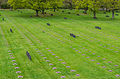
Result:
[[69, 16]]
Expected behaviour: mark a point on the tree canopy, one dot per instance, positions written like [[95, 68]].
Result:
[[41, 5], [95, 5], [56, 4], [91, 5], [112, 5], [37, 5]]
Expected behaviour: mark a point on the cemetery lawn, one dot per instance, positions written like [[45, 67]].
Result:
[[93, 54]]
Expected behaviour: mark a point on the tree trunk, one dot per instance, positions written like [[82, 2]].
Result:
[[70, 6], [54, 9], [36, 12], [43, 11], [0, 5], [113, 13], [107, 10], [86, 8], [94, 12], [103, 8], [85, 12], [10, 8]]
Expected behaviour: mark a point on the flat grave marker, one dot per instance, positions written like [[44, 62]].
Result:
[[20, 76]]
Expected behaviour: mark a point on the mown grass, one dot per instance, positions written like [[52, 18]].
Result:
[[91, 43]]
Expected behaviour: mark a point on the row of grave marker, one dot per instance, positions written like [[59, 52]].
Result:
[[116, 65], [117, 74], [15, 64], [48, 61], [110, 70], [96, 27], [28, 55], [54, 68]]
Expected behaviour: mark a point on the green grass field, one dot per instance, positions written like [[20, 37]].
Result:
[[93, 54]]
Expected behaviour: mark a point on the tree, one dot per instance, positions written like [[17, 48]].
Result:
[[85, 5], [82, 4], [17, 3], [2, 2], [37, 5], [69, 2], [112, 5], [94, 6], [105, 5], [91, 5], [56, 4]]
